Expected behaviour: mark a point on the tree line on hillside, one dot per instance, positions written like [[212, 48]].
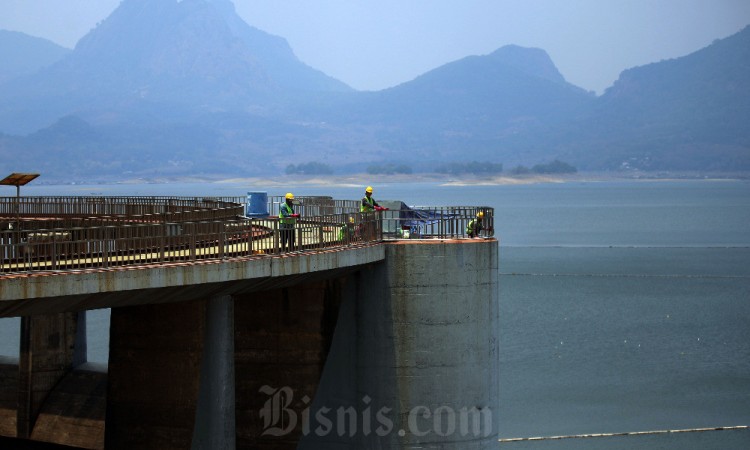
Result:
[[451, 168], [474, 167], [310, 168], [388, 169], [555, 167]]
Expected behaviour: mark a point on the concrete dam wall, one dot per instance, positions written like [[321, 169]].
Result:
[[389, 352]]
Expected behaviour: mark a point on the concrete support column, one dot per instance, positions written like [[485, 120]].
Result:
[[282, 340], [441, 313], [414, 361], [154, 375], [47, 355], [215, 414]]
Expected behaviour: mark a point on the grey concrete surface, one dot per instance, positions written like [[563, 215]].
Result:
[[214, 417], [77, 291], [415, 355]]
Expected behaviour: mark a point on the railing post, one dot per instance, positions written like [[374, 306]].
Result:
[[54, 251], [27, 253], [276, 249], [163, 243], [105, 249], [193, 244]]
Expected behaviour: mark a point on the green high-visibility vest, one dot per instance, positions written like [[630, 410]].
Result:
[[346, 231], [370, 206], [474, 226], [284, 218]]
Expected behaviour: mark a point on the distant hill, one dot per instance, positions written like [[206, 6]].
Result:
[[688, 113], [22, 54], [163, 88], [476, 106], [175, 57]]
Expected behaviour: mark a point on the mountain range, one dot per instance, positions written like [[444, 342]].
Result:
[[163, 88]]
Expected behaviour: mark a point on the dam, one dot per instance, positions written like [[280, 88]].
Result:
[[375, 330]]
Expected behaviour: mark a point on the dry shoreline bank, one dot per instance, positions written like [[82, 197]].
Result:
[[357, 180]]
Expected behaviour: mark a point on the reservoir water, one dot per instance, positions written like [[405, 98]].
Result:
[[624, 305]]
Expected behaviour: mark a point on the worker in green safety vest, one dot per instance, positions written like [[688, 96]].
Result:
[[287, 222], [346, 232], [475, 226], [368, 203]]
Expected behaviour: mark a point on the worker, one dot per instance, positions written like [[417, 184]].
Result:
[[369, 203], [475, 225], [346, 232], [287, 222]]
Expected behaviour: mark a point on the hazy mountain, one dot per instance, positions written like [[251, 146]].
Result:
[[475, 106], [168, 88], [685, 113], [22, 54], [276, 57], [187, 56]]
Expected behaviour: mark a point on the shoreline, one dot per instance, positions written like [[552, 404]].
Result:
[[357, 180]]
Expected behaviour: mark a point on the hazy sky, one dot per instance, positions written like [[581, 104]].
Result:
[[374, 44]]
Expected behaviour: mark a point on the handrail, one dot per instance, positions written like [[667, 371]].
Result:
[[50, 237], [112, 209], [441, 222], [314, 206]]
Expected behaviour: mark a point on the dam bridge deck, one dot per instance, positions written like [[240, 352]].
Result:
[[59, 234]]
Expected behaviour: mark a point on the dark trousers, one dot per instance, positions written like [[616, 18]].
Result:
[[287, 239]]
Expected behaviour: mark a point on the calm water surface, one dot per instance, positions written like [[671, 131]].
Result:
[[625, 306]]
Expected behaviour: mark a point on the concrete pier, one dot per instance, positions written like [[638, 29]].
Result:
[[47, 355], [154, 375], [215, 412], [414, 361]]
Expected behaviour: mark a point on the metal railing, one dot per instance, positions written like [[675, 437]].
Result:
[[441, 222], [136, 244], [147, 209], [124, 231], [315, 206]]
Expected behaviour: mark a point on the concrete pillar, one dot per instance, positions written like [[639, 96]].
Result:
[[47, 354], [215, 414], [282, 339], [444, 327], [414, 361], [154, 374]]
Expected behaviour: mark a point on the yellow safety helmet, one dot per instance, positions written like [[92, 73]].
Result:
[[289, 196], [368, 189], [480, 215], [351, 220]]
